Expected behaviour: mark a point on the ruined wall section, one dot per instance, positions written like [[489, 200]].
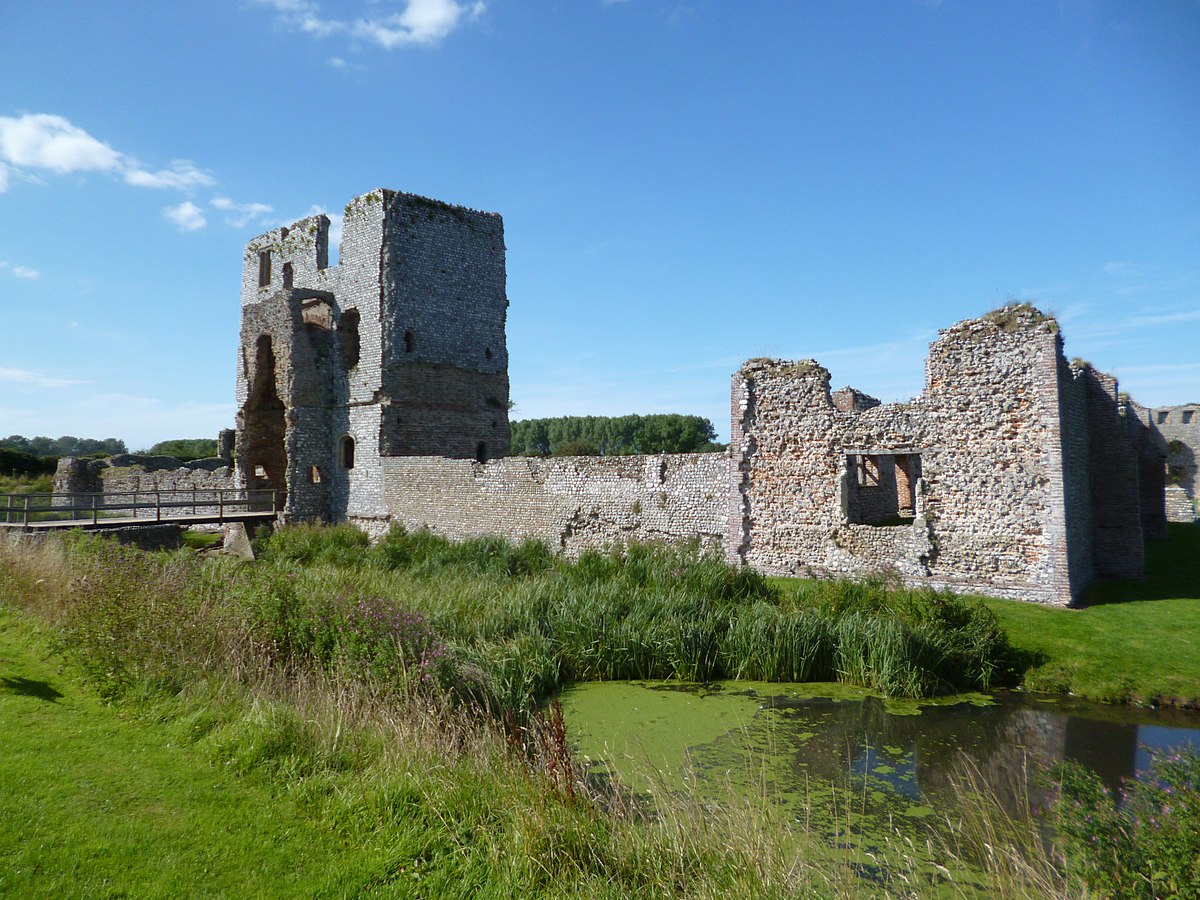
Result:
[[1113, 470], [324, 327], [129, 474], [1179, 430], [983, 443], [572, 503], [445, 377], [1077, 484]]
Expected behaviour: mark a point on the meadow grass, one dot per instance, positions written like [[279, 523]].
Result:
[[385, 696]]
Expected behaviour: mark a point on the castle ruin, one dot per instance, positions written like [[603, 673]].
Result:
[[375, 391]]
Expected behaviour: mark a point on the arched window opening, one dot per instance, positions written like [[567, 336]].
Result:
[[410, 342], [481, 452], [347, 452]]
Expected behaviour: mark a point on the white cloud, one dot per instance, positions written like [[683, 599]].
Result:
[[35, 379], [3, 178], [420, 22], [182, 176], [1122, 269], [42, 141], [241, 214], [20, 271], [337, 62], [187, 215]]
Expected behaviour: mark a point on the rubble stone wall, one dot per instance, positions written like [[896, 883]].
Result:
[[572, 503], [119, 478], [1178, 429], [990, 509]]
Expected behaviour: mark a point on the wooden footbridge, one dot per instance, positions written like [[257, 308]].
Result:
[[187, 506]]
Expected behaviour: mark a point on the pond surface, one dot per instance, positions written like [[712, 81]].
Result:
[[798, 746]]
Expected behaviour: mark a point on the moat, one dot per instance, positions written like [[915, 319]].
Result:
[[837, 760]]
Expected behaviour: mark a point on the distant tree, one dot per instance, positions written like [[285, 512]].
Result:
[[185, 448], [576, 448], [614, 435], [18, 462], [67, 445]]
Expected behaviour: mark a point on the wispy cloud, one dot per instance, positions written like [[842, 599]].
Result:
[[241, 214], [20, 271], [35, 379], [182, 176], [187, 216], [420, 22]]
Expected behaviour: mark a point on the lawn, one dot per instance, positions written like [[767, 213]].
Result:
[[1133, 641], [96, 804]]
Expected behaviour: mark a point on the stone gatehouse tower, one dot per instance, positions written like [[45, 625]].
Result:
[[397, 350]]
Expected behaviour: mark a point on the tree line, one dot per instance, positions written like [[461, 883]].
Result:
[[613, 435], [66, 445]]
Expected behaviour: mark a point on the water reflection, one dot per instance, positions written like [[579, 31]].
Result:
[[788, 740]]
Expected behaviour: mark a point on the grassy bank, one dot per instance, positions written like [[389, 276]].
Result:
[[1134, 641], [359, 730]]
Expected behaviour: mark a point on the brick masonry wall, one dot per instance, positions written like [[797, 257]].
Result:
[[572, 503]]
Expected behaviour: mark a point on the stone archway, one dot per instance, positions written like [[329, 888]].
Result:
[[264, 450]]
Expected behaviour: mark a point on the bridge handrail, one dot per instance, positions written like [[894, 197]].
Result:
[[24, 509]]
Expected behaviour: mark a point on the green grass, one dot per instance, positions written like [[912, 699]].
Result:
[[96, 804], [1134, 641], [370, 706], [26, 484]]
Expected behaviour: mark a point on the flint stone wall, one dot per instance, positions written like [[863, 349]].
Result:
[[1178, 430], [1014, 451], [128, 474], [571, 503], [399, 347]]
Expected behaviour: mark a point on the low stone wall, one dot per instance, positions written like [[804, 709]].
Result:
[[572, 503], [121, 477]]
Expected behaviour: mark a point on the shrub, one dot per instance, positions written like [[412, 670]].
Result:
[[1147, 843]]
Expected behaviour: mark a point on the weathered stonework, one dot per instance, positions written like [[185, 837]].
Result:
[[122, 477], [376, 392], [1177, 431], [397, 351], [1012, 474]]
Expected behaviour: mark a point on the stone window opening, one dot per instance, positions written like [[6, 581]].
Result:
[[288, 275], [348, 339], [346, 452], [410, 342], [881, 488], [1188, 416], [260, 472], [1163, 417], [481, 454], [314, 475], [264, 268], [487, 353]]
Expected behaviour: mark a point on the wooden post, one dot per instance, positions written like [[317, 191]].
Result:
[[158, 506], [95, 512]]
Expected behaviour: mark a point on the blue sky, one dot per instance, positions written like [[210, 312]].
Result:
[[684, 185]]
